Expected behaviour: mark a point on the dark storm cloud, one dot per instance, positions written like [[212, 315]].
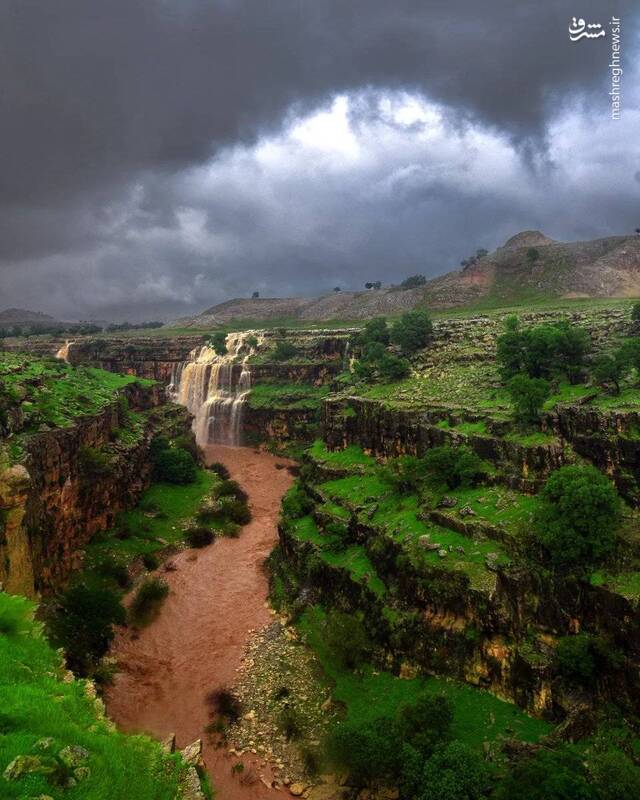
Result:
[[105, 106]]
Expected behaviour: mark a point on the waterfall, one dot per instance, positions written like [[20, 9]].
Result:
[[215, 388], [63, 352]]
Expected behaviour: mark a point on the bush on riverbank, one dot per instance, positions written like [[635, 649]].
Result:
[[147, 601], [81, 621], [42, 717]]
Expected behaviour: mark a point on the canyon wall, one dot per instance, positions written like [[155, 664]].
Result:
[[56, 499]]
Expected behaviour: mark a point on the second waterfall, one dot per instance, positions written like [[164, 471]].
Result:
[[215, 388]]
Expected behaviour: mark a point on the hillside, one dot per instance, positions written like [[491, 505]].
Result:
[[529, 266], [21, 316]]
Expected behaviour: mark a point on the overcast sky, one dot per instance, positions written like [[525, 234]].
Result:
[[159, 156]]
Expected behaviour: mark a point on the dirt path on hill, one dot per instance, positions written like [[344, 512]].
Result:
[[217, 598]]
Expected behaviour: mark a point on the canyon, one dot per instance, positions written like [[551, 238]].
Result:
[[439, 581]]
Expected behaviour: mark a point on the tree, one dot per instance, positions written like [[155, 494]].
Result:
[[336, 289], [607, 371], [527, 397], [543, 351], [549, 775], [392, 368], [455, 466], [346, 639], [255, 295], [376, 330], [284, 351], [82, 624], [219, 343], [578, 518], [413, 282], [614, 775], [172, 464], [368, 750], [628, 355], [454, 772], [412, 331], [532, 255], [574, 658], [481, 252], [426, 722]]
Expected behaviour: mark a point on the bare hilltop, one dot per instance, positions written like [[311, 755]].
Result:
[[529, 266]]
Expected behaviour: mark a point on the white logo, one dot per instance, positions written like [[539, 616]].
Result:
[[579, 29]]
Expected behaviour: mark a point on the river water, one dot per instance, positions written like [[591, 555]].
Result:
[[217, 598]]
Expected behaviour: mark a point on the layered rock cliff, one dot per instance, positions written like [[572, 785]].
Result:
[[72, 482]]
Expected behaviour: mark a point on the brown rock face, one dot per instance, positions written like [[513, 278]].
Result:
[[50, 508], [16, 572]]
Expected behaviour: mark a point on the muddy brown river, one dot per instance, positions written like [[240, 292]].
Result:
[[217, 598]]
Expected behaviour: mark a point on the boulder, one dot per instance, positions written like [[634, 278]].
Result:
[[192, 753]]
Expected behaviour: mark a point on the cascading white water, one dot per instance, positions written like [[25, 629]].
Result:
[[215, 388], [63, 352]]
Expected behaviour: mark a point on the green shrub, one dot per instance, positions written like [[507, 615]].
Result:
[[392, 369], [454, 466], [219, 343], [93, 463], [608, 371], [150, 561], [219, 469], [15, 616], [614, 775], [290, 723], [549, 775], [114, 571], [199, 536], [347, 639], [82, 623], [454, 772], [229, 487], [412, 331], [235, 510], [413, 282], [369, 751], [173, 465], [284, 351], [406, 473], [635, 312], [574, 658], [296, 503], [577, 518], [375, 330], [426, 722], [527, 397], [147, 601], [543, 351], [230, 529], [224, 703]]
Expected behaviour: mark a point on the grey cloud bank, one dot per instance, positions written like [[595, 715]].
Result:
[[158, 157]]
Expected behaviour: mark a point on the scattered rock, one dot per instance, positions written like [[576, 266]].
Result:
[[45, 744], [448, 502], [81, 773], [73, 756], [467, 511], [26, 765], [169, 744], [192, 753], [442, 553], [191, 788], [297, 789]]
